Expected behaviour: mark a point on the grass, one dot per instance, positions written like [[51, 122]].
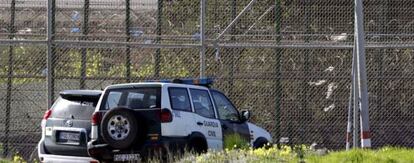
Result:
[[305, 154], [386, 155], [235, 141], [16, 159], [4, 161], [271, 154], [296, 154]]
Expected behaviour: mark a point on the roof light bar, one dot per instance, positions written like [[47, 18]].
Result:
[[203, 81]]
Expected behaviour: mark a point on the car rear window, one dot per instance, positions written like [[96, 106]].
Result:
[[134, 98], [64, 108]]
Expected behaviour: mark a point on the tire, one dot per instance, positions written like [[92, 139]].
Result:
[[259, 143], [198, 145], [119, 128]]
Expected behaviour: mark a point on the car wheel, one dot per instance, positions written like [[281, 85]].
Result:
[[119, 127], [259, 143], [198, 145]]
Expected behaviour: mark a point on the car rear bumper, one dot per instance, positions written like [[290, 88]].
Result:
[[46, 158], [106, 152]]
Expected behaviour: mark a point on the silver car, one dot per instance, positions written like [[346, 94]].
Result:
[[66, 127]]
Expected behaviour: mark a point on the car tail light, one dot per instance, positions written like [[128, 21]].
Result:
[[95, 118], [47, 114], [165, 115]]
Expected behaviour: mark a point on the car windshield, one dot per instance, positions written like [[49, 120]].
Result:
[[134, 98]]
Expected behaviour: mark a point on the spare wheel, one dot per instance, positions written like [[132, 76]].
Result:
[[119, 128]]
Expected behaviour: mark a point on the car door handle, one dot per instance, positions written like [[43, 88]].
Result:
[[199, 123], [224, 127]]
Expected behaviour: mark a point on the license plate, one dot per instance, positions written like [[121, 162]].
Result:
[[127, 157], [69, 136]]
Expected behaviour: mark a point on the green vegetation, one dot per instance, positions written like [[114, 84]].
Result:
[[235, 141], [305, 154], [16, 158], [271, 154], [30, 62], [386, 154], [289, 154]]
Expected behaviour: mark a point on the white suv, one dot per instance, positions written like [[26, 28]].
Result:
[[133, 119]]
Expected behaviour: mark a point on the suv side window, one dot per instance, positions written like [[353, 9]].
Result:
[[134, 98], [179, 99], [225, 108], [202, 103]]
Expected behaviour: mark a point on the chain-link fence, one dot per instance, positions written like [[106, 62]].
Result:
[[289, 61]]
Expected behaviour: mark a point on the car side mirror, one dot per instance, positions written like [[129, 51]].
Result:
[[245, 115]]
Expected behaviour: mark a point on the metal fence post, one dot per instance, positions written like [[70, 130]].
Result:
[[232, 57], [85, 32], [362, 75], [380, 57], [202, 38], [9, 80], [128, 34], [50, 51], [158, 40], [349, 127], [356, 98], [349, 123], [305, 87], [278, 83]]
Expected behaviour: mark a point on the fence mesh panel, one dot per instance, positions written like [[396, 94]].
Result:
[[289, 61], [23, 98]]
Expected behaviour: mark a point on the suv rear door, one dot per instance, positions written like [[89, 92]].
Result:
[[67, 130], [180, 104], [144, 100]]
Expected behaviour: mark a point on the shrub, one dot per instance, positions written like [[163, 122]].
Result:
[[235, 141]]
